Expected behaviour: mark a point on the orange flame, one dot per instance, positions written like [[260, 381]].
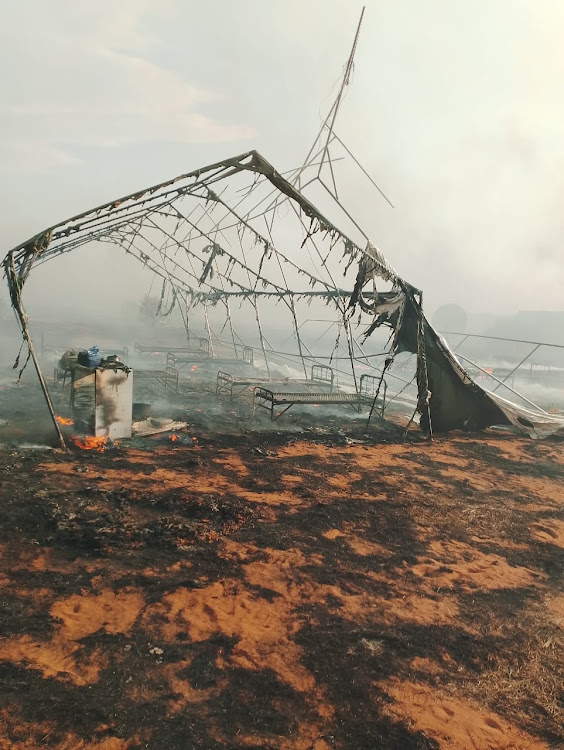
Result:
[[194, 368], [173, 437], [89, 443], [63, 420]]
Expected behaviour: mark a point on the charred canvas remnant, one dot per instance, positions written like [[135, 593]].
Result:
[[448, 398], [237, 244]]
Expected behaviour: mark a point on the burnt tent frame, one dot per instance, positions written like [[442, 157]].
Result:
[[200, 267], [119, 221]]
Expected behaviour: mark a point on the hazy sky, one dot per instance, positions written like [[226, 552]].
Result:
[[456, 109]]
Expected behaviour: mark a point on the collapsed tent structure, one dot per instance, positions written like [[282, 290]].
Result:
[[239, 245], [235, 249]]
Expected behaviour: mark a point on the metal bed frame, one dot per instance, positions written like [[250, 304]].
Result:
[[162, 348], [247, 359], [232, 385], [164, 377], [366, 394]]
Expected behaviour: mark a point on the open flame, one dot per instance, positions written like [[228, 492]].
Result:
[[194, 368], [64, 420], [90, 443], [173, 437]]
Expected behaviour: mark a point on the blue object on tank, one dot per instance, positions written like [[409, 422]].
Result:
[[94, 357]]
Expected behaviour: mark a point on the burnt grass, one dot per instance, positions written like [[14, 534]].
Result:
[[135, 538]]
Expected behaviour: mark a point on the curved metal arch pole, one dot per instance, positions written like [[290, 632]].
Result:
[[514, 370], [501, 382]]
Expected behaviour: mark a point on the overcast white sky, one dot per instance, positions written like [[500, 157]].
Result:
[[456, 108]]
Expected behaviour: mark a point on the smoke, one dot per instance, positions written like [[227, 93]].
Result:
[[454, 109]]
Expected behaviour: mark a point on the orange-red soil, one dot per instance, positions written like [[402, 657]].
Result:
[[253, 592]]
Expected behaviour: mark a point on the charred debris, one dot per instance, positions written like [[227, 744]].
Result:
[[250, 262], [213, 238]]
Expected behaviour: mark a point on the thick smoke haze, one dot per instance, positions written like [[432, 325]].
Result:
[[454, 108]]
